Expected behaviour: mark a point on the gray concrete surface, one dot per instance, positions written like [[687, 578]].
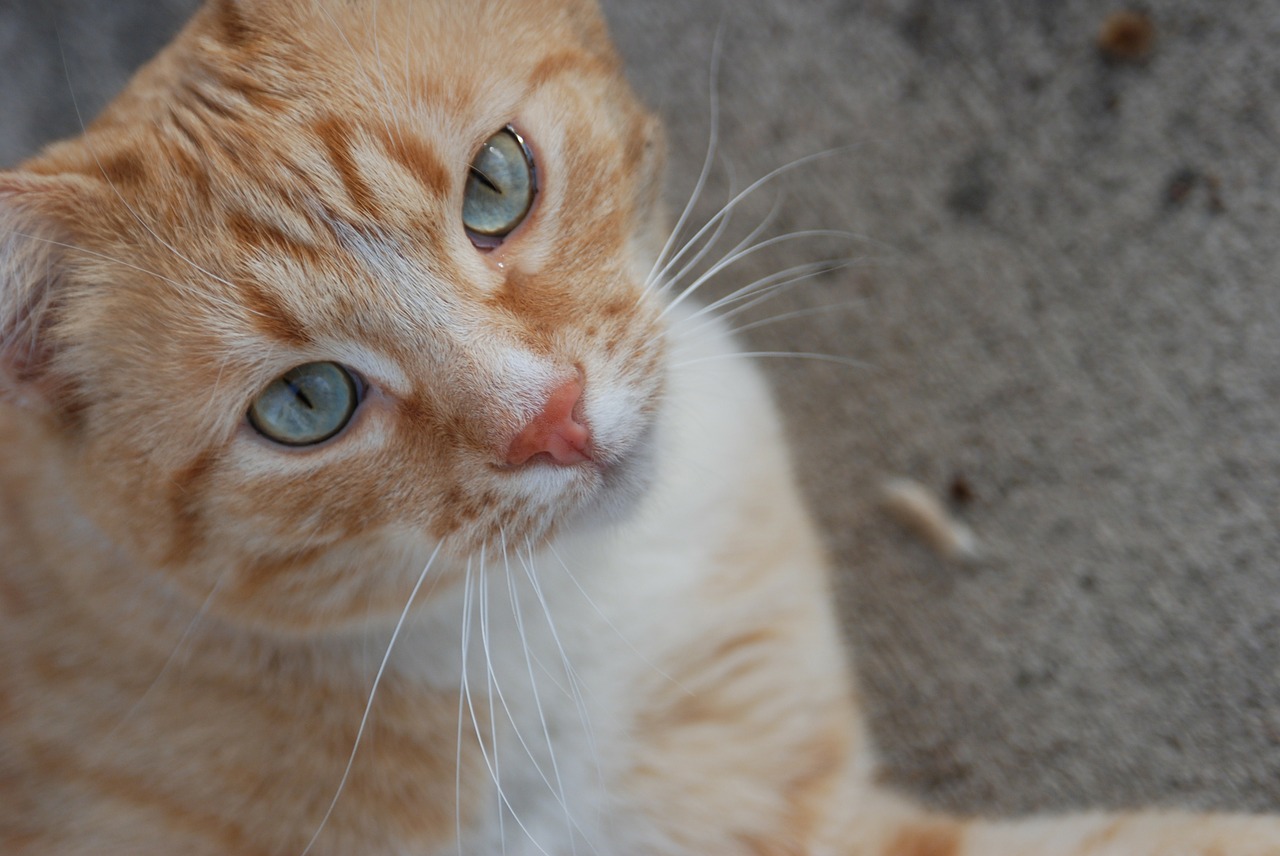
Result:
[[1065, 307]]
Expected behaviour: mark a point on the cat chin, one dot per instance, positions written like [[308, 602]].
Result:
[[620, 488], [623, 484]]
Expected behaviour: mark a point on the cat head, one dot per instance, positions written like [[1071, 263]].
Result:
[[333, 284]]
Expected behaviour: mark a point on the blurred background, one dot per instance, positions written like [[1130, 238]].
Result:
[[1060, 314]]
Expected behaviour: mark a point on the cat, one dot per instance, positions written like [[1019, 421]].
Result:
[[369, 490]]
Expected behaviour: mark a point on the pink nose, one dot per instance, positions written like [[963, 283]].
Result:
[[554, 431]]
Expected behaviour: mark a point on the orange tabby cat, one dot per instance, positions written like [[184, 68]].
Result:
[[365, 493]]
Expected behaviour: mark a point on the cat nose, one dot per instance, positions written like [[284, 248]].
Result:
[[555, 431]]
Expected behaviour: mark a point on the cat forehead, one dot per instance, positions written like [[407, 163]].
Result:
[[472, 60], [268, 117], [260, 96], [468, 40]]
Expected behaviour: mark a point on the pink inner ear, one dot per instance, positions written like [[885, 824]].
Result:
[[31, 250]]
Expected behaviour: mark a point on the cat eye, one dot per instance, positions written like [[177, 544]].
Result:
[[306, 405], [500, 188]]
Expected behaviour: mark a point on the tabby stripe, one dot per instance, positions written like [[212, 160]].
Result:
[[182, 128], [419, 161], [269, 315], [568, 62], [255, 232], [190, 168], [335, 133], [232, 27], [123, 169], [185, 493], [207, 102]]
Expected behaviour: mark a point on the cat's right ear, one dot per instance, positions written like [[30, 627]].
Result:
[[35, 233]]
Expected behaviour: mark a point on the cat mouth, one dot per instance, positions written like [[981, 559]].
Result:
[[598, 483], [579, 460]]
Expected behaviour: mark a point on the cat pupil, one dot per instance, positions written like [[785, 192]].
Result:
[[302, 396], [487, 181]]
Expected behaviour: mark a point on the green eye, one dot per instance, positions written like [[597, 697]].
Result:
[[306, 404], [500, 188]]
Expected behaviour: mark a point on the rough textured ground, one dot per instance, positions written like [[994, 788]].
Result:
[[1066, 305]]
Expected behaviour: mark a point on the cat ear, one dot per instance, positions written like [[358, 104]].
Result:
[[234, 21], [33, 242]]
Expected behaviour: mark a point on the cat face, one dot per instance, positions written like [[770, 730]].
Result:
[[333, 284]]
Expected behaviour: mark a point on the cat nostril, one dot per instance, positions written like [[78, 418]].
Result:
[[555, 431]]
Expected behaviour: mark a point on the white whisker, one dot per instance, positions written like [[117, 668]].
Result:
[[712, 222], [800, 313], [742, 254], [571, 676], [496, 769], [491, 761], [464, 696], [756, 293], [713, 139], [673, 281], [765, 288], [377, 679], [823, 358], [612, 626], [173, 655], [570, 823]]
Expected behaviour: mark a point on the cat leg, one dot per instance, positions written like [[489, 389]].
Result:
[[886, 826]]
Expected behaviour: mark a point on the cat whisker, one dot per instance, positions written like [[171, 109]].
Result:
[[735, 257], [824, 358], [368, 707], [464, 698], [496, 768], [713, 221], [561, 687], [492, 761], [470, 701], [575, 687], [764, 290], [765, 223], [201, 611], [558, 789], [756, 293], [713, 140], [625, 641], [799, 313]]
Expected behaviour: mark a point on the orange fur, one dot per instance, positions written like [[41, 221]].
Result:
[[193, 617]]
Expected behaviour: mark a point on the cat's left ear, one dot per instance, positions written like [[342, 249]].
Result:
[[35, 216]]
